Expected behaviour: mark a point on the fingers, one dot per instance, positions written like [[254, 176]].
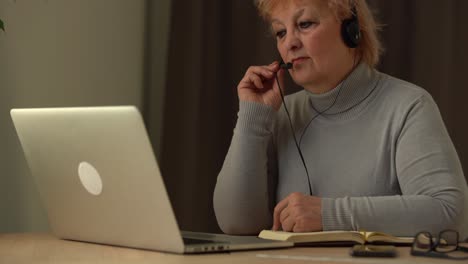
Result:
[[280, 76], [265, 71], [288, 211], [277, 213], [257, 75], [258, 85], [299, 213], [256, 80], [287, 220], [287, 216], [289, 224]]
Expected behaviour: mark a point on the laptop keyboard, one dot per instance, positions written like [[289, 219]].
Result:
[[192, 241]]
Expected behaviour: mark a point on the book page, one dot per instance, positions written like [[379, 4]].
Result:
[[311, 237], [378, 237]]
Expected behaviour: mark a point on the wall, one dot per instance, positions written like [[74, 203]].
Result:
[[61, 53]]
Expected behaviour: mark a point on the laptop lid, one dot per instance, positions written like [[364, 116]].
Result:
[[97, 176], [100, 182]]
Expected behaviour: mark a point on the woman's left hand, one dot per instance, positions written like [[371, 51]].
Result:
[[298, 213]]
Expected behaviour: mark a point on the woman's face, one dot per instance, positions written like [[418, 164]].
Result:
[[308, 35]]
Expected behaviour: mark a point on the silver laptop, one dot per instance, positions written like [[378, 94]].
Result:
[[100, 182]]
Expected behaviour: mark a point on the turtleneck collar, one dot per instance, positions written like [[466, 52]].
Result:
[[348, 96]]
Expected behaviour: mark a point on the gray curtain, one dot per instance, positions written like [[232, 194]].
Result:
[[211, 44]]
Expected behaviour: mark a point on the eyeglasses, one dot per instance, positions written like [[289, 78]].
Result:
[[444, 246]]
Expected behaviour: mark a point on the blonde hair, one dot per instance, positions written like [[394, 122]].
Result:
[[369, 47]]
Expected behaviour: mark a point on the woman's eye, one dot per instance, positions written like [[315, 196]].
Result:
[[281, 33], [305, 24]]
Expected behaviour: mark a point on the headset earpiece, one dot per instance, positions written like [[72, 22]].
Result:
[[350, 31]]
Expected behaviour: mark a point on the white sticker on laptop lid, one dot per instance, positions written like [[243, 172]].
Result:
[[90, 178]]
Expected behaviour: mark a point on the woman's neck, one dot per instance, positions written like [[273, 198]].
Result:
[[330, 83]]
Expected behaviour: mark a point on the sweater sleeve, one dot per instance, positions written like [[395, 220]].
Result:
[[433, 187], [244, 192]]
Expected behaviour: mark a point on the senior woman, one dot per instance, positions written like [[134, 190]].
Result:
[[364, 150]]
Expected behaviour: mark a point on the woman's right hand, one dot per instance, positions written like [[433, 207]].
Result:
[[259, 85]]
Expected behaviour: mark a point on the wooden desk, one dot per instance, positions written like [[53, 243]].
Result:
[[45, 248]]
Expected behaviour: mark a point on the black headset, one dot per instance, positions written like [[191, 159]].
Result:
[[350, 31]]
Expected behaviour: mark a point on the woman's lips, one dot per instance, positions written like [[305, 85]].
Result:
[[299, 60]]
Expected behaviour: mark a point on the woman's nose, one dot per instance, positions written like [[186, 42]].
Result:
[[293, 42]]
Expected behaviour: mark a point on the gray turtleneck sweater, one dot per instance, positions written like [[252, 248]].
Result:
[[380, 158]]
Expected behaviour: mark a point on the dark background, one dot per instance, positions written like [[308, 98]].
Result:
[[213, 42]]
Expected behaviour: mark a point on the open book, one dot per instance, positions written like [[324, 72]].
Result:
[[336, 237]]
